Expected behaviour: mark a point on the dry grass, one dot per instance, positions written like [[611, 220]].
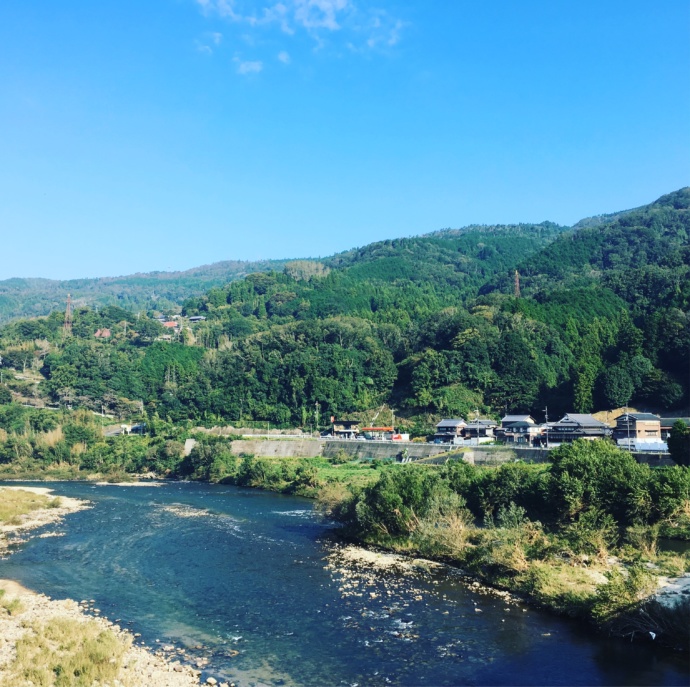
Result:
[[448, 535], [48, 439], [331, 496], [10, 606], [14, 503], [66, 653]]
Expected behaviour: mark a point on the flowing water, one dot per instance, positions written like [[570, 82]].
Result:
[[243, 579]]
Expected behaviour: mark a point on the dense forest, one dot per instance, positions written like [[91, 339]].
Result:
[[429, 325]]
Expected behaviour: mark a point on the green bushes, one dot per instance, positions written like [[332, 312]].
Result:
[[551, 532]]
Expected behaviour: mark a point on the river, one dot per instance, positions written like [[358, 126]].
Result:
[[242, 578]]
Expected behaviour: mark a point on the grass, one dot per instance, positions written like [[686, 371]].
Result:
[[10, 606], [66, 653], [15, 503]]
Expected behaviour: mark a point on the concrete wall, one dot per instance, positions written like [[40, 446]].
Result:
[[493, 455], [655, 459], [368, 450], [428, 453], [278, 448]]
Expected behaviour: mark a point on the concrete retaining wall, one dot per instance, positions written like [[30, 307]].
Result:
[[368, 450], [279, 448]]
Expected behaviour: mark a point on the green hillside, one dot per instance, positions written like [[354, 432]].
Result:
[[429, 325], [152, 290]]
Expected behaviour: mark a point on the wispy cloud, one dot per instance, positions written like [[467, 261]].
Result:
[[284, 57], [365, 27], [210, 40], [249, 67]]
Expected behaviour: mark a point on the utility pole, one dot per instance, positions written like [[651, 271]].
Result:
[[546, 417]]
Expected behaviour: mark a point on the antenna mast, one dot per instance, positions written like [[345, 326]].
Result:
[[67, 328], [517, 284]]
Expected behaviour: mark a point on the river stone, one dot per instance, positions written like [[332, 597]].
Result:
[[211, 681]]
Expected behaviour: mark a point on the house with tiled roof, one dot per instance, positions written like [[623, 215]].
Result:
[[450, 431], [637, 426], [574, 426]]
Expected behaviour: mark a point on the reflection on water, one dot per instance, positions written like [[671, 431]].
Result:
[[254, 588]]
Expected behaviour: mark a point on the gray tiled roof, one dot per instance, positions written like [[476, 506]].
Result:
[[582, 419], [517, 418], [639, 416], [451, 423]]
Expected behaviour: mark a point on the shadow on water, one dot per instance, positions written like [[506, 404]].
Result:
[[241, 579]]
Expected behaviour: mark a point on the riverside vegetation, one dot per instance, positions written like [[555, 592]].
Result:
[[580, 535]]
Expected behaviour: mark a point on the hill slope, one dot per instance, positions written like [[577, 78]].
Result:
[[144, 291], [427, 324]]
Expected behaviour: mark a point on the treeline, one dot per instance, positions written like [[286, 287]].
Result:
[[22, 298], [427, 325]]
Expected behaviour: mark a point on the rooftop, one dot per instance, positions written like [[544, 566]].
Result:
[[639, 416], [451, 423]]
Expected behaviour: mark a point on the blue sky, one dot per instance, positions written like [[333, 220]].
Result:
[[166, 134]]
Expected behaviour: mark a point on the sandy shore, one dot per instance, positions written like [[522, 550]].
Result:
[[140, 667]]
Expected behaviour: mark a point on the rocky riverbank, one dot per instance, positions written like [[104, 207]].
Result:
[[25, 615], [139, 667]]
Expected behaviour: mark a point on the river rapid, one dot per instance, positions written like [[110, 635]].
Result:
[[251, 584]]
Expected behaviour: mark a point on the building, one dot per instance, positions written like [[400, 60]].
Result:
[[521, 432], [637, 426], [449, 431], [507, 431], [345, 429], [574, 426], [480, 429], [197, 318], [517, 418], [378, 433], [668, 422]]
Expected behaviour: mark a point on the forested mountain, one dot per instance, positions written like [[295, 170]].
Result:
[[430, 325], [145, 291]]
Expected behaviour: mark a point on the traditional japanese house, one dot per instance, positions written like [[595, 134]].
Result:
[[577, 426], [480, 429], [449, 431], [521, 432]]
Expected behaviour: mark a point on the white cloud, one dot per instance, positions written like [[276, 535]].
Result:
[[362, 28], [284, 57], [249, 67], [319, 14], [217, 38]]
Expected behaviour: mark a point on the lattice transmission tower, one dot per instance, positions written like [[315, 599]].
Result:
[[517, 284], [67, 327]]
